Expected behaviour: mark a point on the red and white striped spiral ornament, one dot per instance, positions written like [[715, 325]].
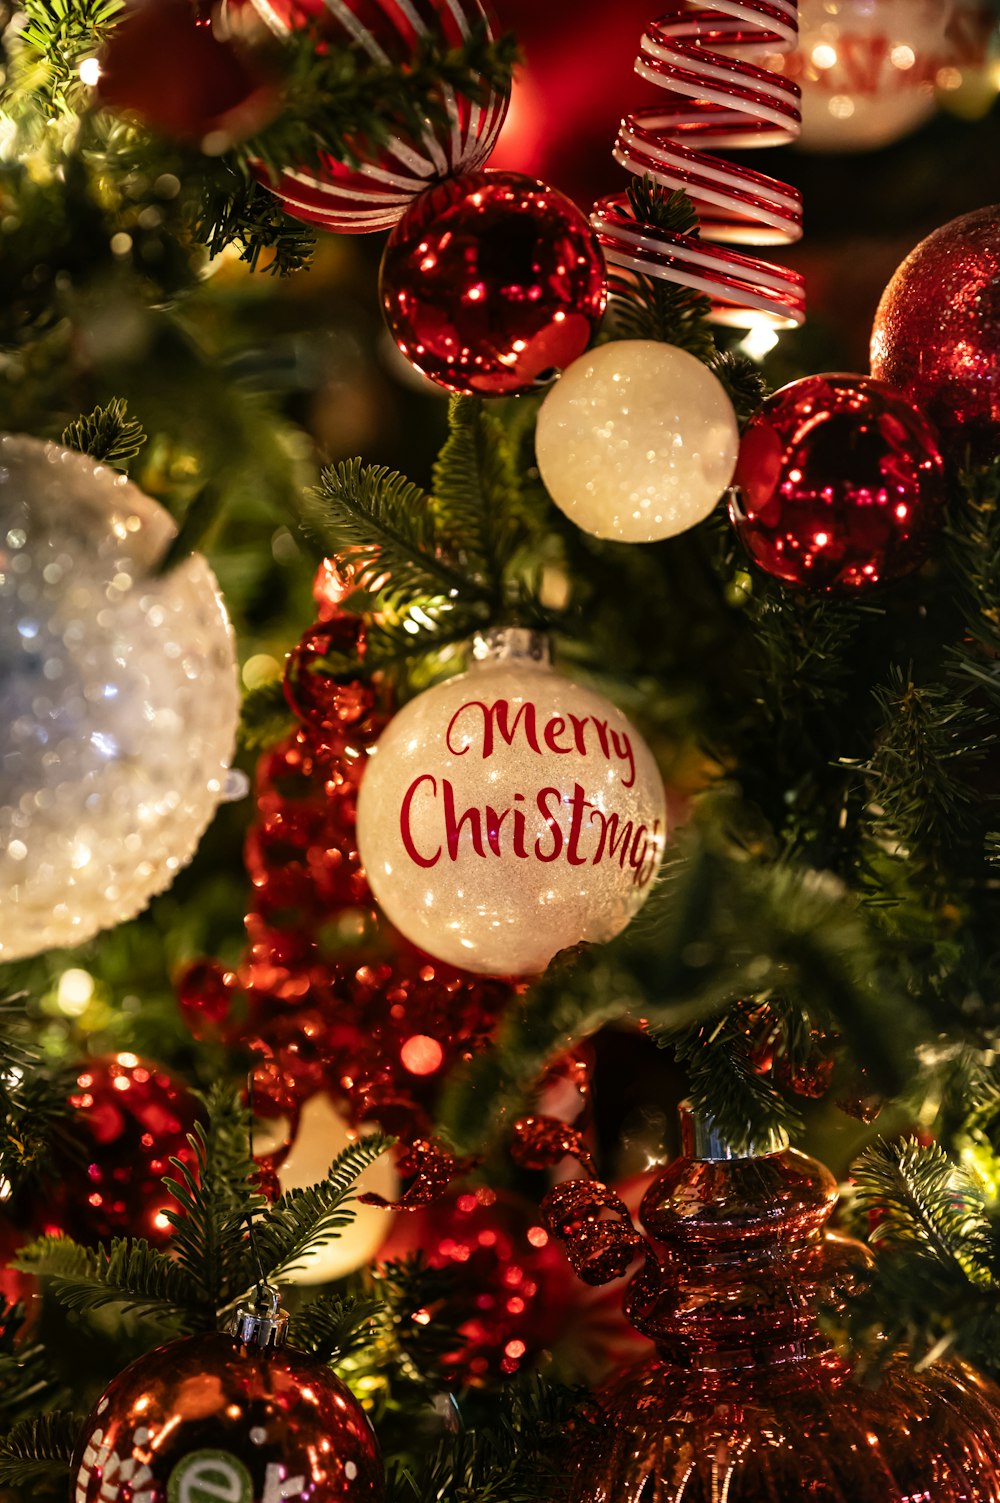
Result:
[[714, 98], [376, 192]]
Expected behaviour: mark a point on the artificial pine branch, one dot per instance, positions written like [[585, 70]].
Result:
[[107, 434], [728, 1084], [27, 1387], [33, 1099], [215, 1194], [334, 1327], [306, 1219], [646, 307], [511, 1452], [129, 1274], [744, 381], [925, 1205], [335, 97], [56, 37], [475, 486], [237, 210], [381, 524], [265, 715], [921, 804], [933, 1289], [35, 1454]]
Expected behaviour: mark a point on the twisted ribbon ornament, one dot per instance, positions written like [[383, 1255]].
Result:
[[714, 99]]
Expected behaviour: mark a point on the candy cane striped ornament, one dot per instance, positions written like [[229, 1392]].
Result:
[[714, 99], [375, 194]]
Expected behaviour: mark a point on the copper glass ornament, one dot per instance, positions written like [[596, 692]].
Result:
[[745, 1401], [239, 1417]]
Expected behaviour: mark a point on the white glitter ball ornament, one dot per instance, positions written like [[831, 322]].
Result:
[[118, 699], [637, 441], [509, 813]]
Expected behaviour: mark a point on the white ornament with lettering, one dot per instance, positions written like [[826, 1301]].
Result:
[[509, 813]]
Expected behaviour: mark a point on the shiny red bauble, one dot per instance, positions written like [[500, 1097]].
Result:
[[839, 485], [169, 67], [322, 700], [509, 1285], [129, 1118], [205, 1418], [491, 283], [388, 174], [937, 334]]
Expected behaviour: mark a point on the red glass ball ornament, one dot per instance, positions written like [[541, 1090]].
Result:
[[389, 174], [508, 1287], [322, 700], [131, 1117], [491, 283], [167, 65], [207, 1418], [937, 333], [839, 485]]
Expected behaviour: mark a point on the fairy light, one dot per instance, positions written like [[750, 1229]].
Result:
[[74, 992], [90, 71]]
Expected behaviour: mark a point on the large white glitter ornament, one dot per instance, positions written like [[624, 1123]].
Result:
[[508, 813], [322, 1133], [637, 441], [118, 694]]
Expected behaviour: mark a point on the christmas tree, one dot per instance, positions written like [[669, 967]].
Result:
[[499, 896]]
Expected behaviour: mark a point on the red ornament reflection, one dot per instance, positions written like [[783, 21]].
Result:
[[130, 1117], [839, 485], [937, 333], [491, 283]]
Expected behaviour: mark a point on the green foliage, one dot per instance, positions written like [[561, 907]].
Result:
[[934, 1288], [215, 1197], [33, 1096], [727, 1081], [511, 1452], [647, 307], [35, 1454], [107, 434], [129, 1273], [334, 1327], [334, 97], [213, 1262], [239, 211], [305, 1219], [56, 37], [265, 716], [26, 1382]]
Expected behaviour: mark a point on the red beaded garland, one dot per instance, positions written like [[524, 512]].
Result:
[[937, 333], [491, 283], [509, 1286], [839, 484]]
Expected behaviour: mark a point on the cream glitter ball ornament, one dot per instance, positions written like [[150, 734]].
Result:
[[119, 699], [637, 441], [509, 813]]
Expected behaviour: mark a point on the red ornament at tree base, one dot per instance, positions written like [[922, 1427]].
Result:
[[491, 283], [937, 334], [839, 485]]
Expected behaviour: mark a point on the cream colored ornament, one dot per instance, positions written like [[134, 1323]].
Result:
[[322, 1134], [509, 813], [119, 697], [867, 70], [637, 441]]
